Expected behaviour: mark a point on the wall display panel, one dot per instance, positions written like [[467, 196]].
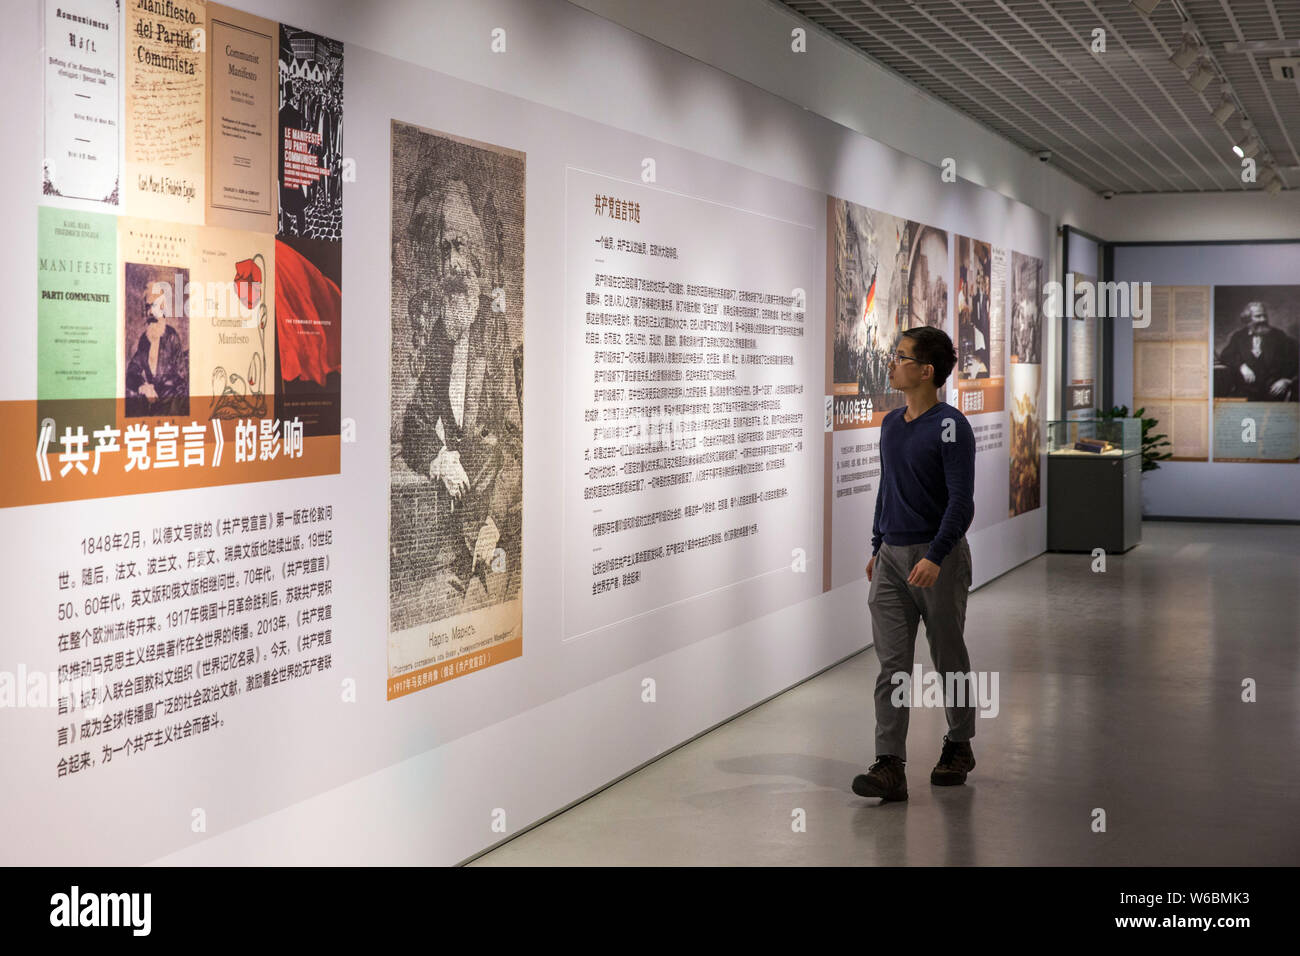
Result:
[[198, 345], [157, 369], [1186, 279], [981, 292], [456, 394], [688, 433], [1026, 382], [1082, 378], [83, 108], [1256, 371], [1171, 362], [989, 420]]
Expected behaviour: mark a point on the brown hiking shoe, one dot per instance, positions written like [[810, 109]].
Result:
[[884, 778], [956, 761]]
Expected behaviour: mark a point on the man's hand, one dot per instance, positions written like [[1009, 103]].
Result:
[[447, 468], [148, 391], [1247, 373], [924, 574], [1279, 387], [871, 566]]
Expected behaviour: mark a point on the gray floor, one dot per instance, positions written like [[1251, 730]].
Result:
[[1119, 691]]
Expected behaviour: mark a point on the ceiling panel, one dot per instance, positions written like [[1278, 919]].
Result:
[[1125, 119]]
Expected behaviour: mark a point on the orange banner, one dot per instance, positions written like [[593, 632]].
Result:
[[164, 454], [456, 667]]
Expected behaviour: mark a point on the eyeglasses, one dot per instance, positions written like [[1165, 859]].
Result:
[[900, 357]]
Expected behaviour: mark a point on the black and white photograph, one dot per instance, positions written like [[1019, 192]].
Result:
[[1257, 342], [456, 378], [974, 306], [1026, 300]]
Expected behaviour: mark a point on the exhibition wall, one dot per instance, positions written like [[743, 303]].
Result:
[[372, 605], [1237, 443]]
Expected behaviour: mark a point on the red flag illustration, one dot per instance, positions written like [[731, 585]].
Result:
[[308, 316]]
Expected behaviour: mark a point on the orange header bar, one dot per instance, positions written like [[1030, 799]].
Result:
[[68, 473]]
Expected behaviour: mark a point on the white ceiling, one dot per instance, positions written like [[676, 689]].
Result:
[[1124, 120]]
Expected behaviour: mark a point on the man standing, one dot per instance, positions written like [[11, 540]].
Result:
[[920, 566], [1263, 359]]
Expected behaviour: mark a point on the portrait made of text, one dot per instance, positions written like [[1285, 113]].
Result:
[[456, 398]]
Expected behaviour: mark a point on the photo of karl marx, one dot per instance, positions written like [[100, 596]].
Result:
[[1262, 361], [462, 429], [157, 371]]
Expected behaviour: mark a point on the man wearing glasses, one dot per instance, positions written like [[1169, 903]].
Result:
[[920, 566]]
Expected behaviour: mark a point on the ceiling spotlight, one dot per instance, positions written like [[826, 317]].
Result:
[[1274, 187], [1247, 146], [1267, 175], [1224, 110], [1108, 194], [1186, 54], [1145, 7], [1201, 77]]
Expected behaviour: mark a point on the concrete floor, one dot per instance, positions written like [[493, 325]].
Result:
[[1119, 690]]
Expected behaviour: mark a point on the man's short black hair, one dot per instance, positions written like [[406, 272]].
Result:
[[932, 346]]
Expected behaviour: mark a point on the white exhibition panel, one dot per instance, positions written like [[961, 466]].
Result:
[[300, 773], [734, 239]]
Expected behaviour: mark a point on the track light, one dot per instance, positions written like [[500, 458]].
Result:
[[1247, 146], [1145, 7], [1274, 187], [1267, 175], [1200, 79], [1223, 112], [1186, 54]]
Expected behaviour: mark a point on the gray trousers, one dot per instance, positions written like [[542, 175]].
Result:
[[896, 609]]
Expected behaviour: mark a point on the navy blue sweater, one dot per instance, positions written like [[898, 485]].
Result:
[[927, 484]]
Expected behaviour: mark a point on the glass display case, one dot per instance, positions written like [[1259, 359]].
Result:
[[1092, 437], [1094, 484]]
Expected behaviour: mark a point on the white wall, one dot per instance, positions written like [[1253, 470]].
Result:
[[1200, 216]]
